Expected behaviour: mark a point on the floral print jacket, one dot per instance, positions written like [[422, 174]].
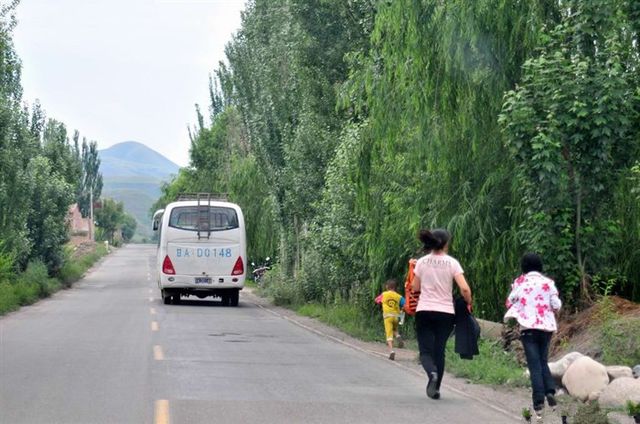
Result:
[[532, 302]]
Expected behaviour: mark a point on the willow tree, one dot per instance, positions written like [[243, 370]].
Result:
[[433, 85]]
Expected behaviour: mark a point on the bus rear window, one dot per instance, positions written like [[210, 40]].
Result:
[[218, 218]]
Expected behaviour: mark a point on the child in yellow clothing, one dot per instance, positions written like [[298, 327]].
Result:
[[392, 303]]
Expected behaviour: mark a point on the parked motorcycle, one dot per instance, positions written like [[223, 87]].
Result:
[[259, 271]]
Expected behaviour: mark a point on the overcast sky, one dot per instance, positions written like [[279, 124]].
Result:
[[120, 70]]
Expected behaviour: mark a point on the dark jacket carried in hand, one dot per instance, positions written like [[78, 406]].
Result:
[[467, 331]]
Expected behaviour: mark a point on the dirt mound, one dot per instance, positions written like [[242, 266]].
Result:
[[580, 332], [583, 331]]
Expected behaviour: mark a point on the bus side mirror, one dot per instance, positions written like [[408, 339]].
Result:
[[155, 225]]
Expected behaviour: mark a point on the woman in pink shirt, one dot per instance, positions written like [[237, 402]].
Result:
[[434, 277]]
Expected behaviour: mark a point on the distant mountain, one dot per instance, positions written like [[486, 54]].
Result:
[[133, 174], [133, 159]]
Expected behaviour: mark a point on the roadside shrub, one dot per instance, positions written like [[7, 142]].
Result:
[[283, 290], [590, 413], [492, 366], [74, 268], [311, 278], [70, 272], [34, 283], [7, 263], [36, 273], [26, 293], [89, 259], [6, 266], [345, 317], [8, 299], [620, 341], [618, 336]]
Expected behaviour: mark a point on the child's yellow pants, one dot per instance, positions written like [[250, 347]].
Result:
[[390, 326]]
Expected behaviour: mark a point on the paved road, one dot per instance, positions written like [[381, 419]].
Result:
[[109, 351]]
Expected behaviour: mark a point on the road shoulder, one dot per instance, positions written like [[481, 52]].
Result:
[[506, 400]]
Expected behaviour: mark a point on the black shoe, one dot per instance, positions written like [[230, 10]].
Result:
[[432, 386], [551, 400]]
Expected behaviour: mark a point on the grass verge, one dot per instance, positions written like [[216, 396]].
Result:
[[344, 317], [492, 366], [34, 283]]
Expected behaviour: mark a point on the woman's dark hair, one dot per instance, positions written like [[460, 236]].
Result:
[[531, 262], [434, 239]]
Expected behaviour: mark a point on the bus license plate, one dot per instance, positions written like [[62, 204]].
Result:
[[203, 280]]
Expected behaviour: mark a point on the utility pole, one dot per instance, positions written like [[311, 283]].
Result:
[[91, 236]]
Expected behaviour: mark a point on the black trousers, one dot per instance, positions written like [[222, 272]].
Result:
[[432, 330], [536, 349]]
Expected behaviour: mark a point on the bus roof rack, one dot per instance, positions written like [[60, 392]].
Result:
[[203, 197]]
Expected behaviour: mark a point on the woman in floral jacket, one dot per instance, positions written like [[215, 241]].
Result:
[[532, 302]]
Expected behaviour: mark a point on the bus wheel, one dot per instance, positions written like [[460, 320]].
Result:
[[234, 298], [165, 298]]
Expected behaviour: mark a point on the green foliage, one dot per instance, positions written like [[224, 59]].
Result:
[[590, 413], [345, 317], [282, 293], [342, 128], [618, 336], [111, 219], [40, 171], [108, 217], [633, 408], [35, 283], [90, 179], [50, 201], [492, 366], [572, 128], [432, 154], [37, 275], [128, 227], [8, 299], [7, 262], [70, 272], [25, 292], [620, 341]]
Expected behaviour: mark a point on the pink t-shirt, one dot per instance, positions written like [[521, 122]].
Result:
[[436, 274]]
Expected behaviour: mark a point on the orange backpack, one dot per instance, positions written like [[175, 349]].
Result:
[[411, 297]]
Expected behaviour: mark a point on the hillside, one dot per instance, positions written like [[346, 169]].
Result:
[[133, 159], [133, 174]]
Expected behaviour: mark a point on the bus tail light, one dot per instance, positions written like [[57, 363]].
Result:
[[238, 268], [167, 266]]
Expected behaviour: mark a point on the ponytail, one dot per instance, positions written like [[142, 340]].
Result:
[[434, 239]]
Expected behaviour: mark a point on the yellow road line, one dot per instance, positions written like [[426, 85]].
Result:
[[157, 353], [154, 326], [152, 311], [162, 412]]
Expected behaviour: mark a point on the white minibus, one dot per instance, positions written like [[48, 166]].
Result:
[[202, 249]]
